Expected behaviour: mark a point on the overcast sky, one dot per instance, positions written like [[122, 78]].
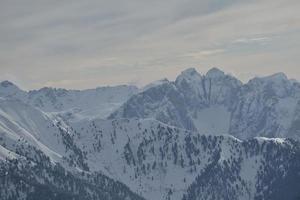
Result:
[[84, 44]]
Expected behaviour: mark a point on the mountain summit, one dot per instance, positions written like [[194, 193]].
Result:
[[215, 72], [200, 137], [217, 103]]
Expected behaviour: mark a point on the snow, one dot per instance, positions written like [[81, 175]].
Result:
[[285, 110], [21, 122], [8, 89], [31, 118], [154, 84], [276, 140], [215, 73], [110, 159], [277, 77], [213, 120], [190, 75], [249, 171], [6, 154], [91, 103]]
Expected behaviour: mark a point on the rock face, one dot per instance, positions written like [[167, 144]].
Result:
[[73, 104], [197, 138], [267, 106], [217, 103], [151, 159]]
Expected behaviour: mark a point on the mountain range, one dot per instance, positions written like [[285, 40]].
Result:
[[199, 137], [217, 103]]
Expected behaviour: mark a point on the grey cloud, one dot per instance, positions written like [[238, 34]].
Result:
[[89, 43]]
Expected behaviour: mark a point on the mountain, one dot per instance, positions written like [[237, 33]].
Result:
[[199, 137], [39, 159], [10, 90], [267, 106], [23, 127], [73, 104], [158, 161], [39, 178], [154, 160], [219, 103], [262, 170]]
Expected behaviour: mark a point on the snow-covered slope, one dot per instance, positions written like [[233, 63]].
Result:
[[154, 160], [169, 140], [40, 160], [9, 90], [72, 104], [267, 106], [23, 127], [219, 103], [158, 161], [99, 102], [38, 178], [185, 102]]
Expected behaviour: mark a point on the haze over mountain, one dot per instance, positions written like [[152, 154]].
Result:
[[199, 137], [217, 103]]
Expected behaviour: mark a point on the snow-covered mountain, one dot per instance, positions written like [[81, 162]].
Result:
[[39, 159], [73, 104], [219, 103], [267, 106], [168, 141], [157, 161], [23, 127]]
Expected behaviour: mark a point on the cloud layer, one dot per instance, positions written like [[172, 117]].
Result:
[[84, 44]]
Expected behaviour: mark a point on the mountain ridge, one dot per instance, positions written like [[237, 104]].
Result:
[[168, 141], [183, 102]]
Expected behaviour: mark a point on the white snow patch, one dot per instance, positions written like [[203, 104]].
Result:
[[276, 140], [213, 120]]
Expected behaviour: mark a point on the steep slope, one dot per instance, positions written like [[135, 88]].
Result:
[[99, 102], [186, 101], [23, 127], [40, 160], [72, 104], [169, 141], [154, 160], [10, 90], [268, 107], [158, 161], [263, 169], [219, 103], [38, 178]]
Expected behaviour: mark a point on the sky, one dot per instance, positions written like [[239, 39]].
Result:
[[84, 44]]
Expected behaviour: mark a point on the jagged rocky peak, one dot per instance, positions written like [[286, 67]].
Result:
[[117, 87], [274, 78], [8, 89], [6, 84], [155, 84], [278, 83], [189, 71], [50, 89], [189, 74], [215, 73], [49, 92]]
